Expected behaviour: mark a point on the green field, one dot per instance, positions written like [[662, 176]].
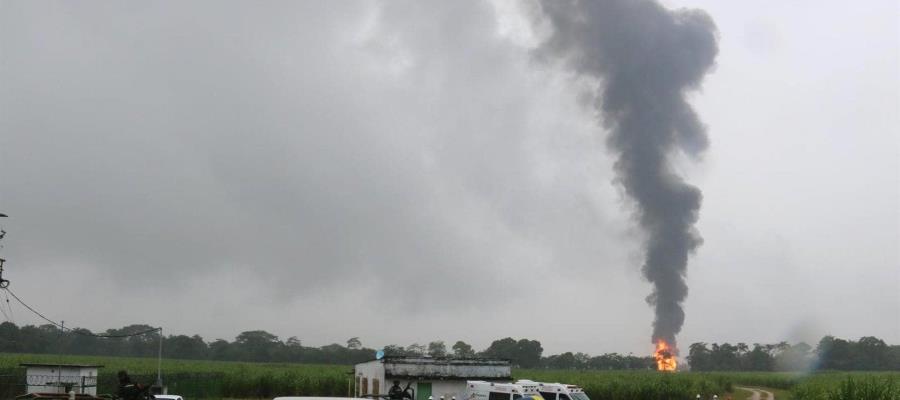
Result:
[[214, 379]]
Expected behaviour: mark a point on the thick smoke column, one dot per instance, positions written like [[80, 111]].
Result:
[[646, 58]]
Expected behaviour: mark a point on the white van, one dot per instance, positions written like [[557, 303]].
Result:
[[557, 391], [481, 390]]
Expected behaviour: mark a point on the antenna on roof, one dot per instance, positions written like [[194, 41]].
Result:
[[4, 283]]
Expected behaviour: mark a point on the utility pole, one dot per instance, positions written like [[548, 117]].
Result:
[[159, 361], [59, 354]]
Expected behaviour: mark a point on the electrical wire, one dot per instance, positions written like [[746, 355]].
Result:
[[77, 332]]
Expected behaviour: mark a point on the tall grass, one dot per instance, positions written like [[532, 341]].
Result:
[[849, 386], [201, 379], [216, 379], [635, 385]]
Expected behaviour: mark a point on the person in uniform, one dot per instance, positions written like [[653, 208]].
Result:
[[395, 392], [129, 390]]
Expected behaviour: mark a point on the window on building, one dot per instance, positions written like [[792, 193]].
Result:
[[357, 387], [376, 387], [498, 396], [365, 386]]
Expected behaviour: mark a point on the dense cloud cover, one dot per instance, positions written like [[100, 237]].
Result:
[[314, 169]]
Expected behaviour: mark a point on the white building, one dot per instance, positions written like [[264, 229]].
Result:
[[427, 376], [59, 378]]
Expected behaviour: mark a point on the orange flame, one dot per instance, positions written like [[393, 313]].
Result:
[[665, 356]]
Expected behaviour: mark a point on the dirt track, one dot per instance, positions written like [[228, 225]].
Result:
[[758, 394]]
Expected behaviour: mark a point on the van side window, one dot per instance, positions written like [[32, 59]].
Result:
[[548, 395], [498, 396], [563, 396], [517, 396]]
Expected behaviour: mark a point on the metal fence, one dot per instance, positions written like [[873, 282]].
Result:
[[189, 385], [78, 383]]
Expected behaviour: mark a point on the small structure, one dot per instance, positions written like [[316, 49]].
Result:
[[61, 378], [427, 376]]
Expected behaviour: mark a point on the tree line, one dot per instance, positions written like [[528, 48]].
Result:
[[262, 346], [867, 353]]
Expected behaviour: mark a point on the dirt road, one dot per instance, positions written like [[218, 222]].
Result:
[[758, 394]]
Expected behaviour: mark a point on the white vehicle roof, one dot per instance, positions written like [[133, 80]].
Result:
[[495, 387], [319, 398], [555, 387], [529, 387], [167, 397]]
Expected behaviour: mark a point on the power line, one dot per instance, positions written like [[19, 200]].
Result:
[[76, 331]]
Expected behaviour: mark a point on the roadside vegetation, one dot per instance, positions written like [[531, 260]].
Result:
[[222, 379]]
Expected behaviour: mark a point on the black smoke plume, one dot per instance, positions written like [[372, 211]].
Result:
[[646, 59]]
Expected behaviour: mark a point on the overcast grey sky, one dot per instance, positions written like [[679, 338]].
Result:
[[316, 169]]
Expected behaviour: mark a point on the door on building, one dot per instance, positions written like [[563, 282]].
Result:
[[423, 390]]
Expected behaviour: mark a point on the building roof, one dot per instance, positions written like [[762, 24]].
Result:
[[445, 368], [60, 365], [56, 396]]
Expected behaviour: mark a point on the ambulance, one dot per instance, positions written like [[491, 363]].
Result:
[[483, 390], [556, 391]]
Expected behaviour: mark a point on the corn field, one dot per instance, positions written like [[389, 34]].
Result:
[[216, 379]]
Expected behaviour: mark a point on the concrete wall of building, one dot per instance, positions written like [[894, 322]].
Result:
[[448, 369], [369, 378], [43, 379], [446, 377]]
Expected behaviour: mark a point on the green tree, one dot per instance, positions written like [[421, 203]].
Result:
[[437, 349], [700, 357], [415, 349], [394, 350], [9, 338], [256, 345], [871, 354], [221, 350], [462, 350], [528, 353], [522, 353], [758, 359], [354, 343], [503, 348], [186, 347]]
